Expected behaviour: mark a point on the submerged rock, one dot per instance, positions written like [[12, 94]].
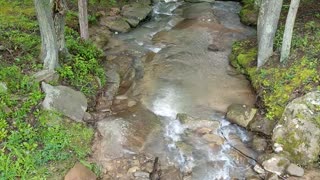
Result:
[[241, 114], [198, 1], [298, 131], [65, 100]]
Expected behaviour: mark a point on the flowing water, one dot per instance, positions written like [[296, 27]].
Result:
[[185, 77]]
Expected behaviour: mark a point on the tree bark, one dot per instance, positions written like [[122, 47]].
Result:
[[288, 31], [83, 19], [49, 49], [59, 13], [268, 21]]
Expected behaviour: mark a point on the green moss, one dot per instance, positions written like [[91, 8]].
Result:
[[290, 144], [249, 12], [276, 83]]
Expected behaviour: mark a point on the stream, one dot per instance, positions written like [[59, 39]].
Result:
[[188, 73]]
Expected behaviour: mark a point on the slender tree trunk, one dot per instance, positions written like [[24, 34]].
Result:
[[288, 31], [83, 19], [268, 21], [49, 49], [59, 13]]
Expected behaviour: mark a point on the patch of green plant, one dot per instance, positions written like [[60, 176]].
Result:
[[31, 138], [277, 83], [83, 70], [249, 12]]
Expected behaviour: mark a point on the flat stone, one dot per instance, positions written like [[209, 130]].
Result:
[[241, 114], [276, 164], [116, 23], [141, 174], [65, 100], [80, 172], [295, 170], [46, 76], [258, 169]]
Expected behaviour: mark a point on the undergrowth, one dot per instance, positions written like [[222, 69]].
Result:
[[278, 83], [34, 143]]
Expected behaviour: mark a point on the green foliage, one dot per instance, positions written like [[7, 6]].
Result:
[[83, 71], [249, 12], [276, 83], [30, 137]]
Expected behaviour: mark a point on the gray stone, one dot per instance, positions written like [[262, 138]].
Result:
[[262, 125], [241, 114], [116, 23], [135, 13], [3, 87], [259, 144], [258, 169], [65, 100], [141, 174], [276, 164], [213, 138], [298, 131], [46, 76], [295, 170], [272, 176]]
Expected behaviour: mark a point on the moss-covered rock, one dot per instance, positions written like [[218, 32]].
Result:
[[249, 12], [298, 131]]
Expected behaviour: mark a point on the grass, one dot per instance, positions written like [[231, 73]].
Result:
[[34, 143]]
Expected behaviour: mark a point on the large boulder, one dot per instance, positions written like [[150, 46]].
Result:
[[135, 13], [116, 23], [275, 164], [298, 131], [241, 114], [65, 100]]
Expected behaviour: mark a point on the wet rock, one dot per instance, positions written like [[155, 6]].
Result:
[[298, 130], [194, 124], [135, 13], [204, 130], [213, 138], [105, 99], [200, 10], [100, 36], [213, 47], [295, 170], [80, 172], [236, 143], [171, 174], [262, 125], [46, 76], [275, 164], [65, 100], [3, 87], [258, 169], [115, 23], [241, 114], [259, 144], [124, 132]]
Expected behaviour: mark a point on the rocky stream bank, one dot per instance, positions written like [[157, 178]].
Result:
[[173, 107]]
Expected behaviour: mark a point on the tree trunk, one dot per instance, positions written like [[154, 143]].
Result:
[[49, 49], [288, 31], [83, 19], [267, 26], [59, 13]]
